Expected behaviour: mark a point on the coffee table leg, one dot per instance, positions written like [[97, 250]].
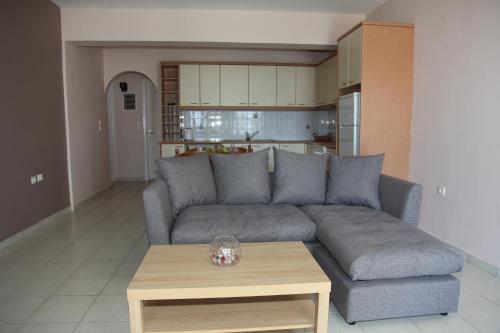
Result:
[[136, 318], [322, 304]]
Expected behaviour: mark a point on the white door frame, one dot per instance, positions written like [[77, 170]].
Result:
[[145, 126], [111, 130]]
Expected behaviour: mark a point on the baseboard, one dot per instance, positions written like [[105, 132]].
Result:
[[37, 226], [129, 179], [473, 260], [90, 196]]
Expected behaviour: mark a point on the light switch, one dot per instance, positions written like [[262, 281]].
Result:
[[39, 177], [441, 190], [33, 180]]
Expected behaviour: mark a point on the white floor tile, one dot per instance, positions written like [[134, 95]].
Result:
[[7, 285], [468, 295], [48, 328], [84, 285], [129, 266], [117, 285], [39, 286], [9, 328], [402, 325], [483, 316], [116, 327], [337, 324], [452, 323], [108, 308], [21, 269], [63, 309], [99, 267], [59, 269], [18, 309]]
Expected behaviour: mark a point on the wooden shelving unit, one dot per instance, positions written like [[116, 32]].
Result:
[[171, 114]]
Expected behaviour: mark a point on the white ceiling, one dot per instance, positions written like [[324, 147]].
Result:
[[337, 6]]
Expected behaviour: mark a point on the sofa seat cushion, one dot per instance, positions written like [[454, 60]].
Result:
[[248, 223], [370, 244]]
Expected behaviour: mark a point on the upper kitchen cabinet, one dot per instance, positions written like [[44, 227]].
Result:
[[262, 85], [210, 85], [305, 92], [349, 61], [326, 82], [234, 85], [189, 76], [285, 94]]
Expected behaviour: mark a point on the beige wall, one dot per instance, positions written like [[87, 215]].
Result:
[[205, 26], [85, 106], [456, 136]]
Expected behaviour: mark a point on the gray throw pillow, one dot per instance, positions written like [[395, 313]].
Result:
[[190, 180], [354, 180], [242, 178], [299, 179]]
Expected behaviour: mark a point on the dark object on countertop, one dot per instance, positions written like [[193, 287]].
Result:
[[322, 138]]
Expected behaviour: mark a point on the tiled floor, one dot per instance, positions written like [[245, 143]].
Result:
[[72, 275]]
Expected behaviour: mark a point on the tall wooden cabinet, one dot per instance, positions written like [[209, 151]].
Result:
[[376, 58]]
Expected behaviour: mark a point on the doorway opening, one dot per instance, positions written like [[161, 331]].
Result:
[[133, 118]]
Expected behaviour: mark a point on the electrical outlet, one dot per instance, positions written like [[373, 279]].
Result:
[[39, 177], [99, 125], [441, 190], [33, 180]]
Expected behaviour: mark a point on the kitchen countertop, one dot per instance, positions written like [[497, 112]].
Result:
[[233, 141]]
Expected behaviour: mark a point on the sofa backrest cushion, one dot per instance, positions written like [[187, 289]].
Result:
[[299, 179], [242, 178], [189, 179], [354, 180]]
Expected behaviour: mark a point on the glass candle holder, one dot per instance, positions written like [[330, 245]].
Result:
[[225, 251]]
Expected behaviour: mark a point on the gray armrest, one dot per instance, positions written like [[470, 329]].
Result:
[[158, 211], [400, 198]]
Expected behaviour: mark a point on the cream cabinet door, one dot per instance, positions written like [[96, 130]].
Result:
[[189, 76], [355, 57], [299, 148], [262, 85], [321, 83], [306, 87], [331, 81], [343, 62], [258, 147], [169, 150], [234, 85], [210, 85], [285, 85]]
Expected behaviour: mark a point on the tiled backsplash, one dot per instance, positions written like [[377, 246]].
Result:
[[278, 125]]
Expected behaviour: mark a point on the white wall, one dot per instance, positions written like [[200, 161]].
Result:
[[85, 106], [205, 26], [456, 117]]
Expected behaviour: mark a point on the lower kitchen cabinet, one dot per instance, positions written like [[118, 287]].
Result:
[[299, 148], [169, 150]]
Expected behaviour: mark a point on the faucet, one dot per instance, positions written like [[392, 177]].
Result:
[[249, 136]]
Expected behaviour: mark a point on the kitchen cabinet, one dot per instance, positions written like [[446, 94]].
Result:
[[262, 85], [299, 148], [169, 150], [349, 59], [376, 59], [354, 54], [326, 82], [189, 76], [210, 85], [234, 85], [305, 92], [285, 85], [262, 146]]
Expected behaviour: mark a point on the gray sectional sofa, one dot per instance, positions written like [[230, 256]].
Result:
[[380, 264]]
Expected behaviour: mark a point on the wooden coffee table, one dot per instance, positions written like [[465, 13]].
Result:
[[275, 286]]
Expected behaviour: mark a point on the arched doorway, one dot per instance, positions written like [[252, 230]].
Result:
[[133, 113]]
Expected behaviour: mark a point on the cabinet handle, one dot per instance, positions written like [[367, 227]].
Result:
[[300, 104], [205, 103], [193, 103], [243, 103], [254, 103], [351, 81], [344, 83], [289, 103]]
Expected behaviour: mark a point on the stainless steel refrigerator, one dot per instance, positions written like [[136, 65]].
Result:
[[349, 119]]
